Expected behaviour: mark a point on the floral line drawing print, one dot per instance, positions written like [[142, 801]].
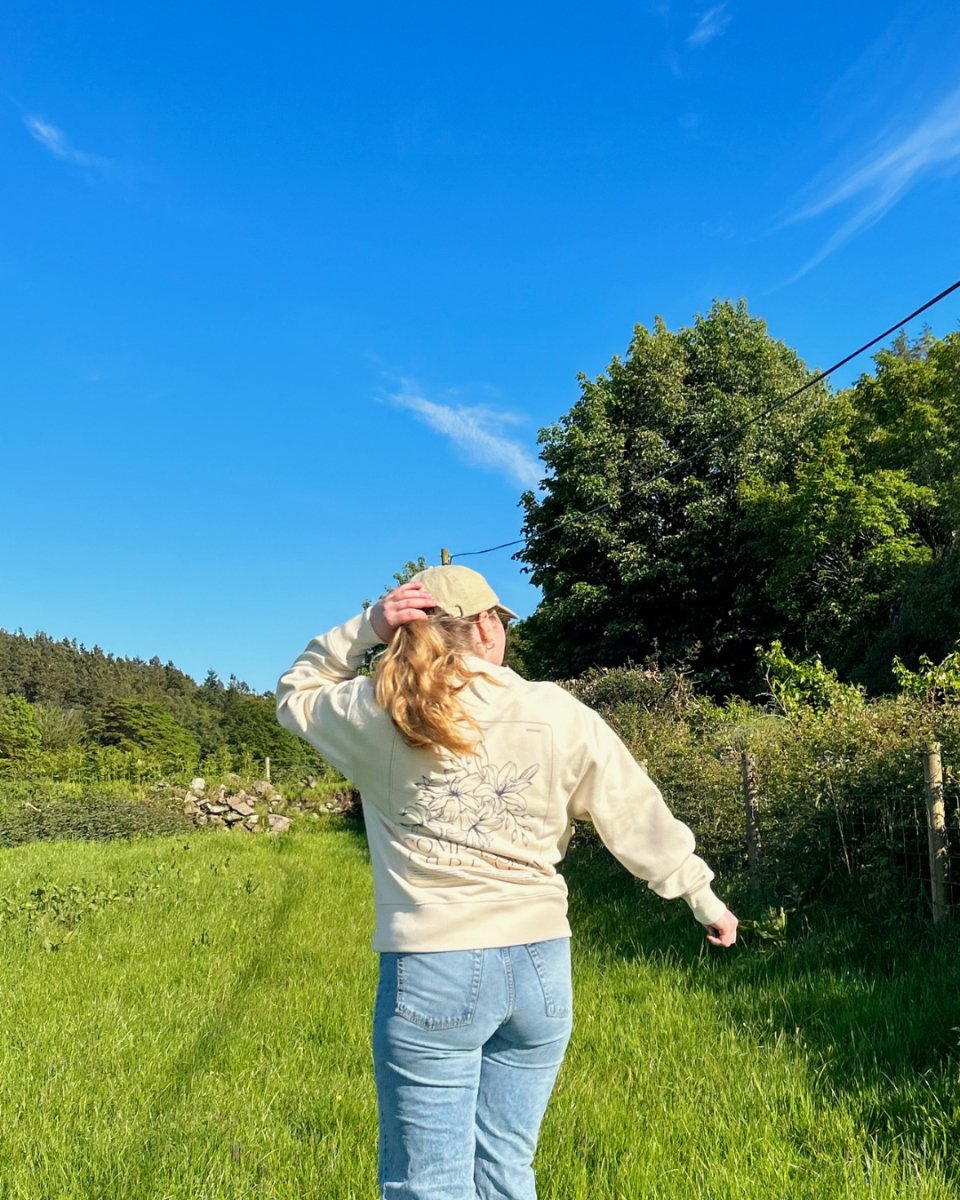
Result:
[[473, 801]]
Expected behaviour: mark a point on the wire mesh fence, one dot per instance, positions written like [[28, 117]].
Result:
[[898, 846], [817, 803]]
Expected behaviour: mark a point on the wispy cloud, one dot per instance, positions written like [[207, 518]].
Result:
[[713, 22], [56, 141], [885, 175], [477, 432]]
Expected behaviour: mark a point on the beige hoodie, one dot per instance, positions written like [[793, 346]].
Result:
[[465, 850]]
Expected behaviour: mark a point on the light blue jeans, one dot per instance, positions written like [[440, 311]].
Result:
[[466, 1046]]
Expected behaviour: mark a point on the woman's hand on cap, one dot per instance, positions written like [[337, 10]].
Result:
[[404, 604]]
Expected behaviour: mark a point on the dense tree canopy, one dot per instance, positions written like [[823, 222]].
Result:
[[829, 523], [147, 728], [663, 568], [858, 542]]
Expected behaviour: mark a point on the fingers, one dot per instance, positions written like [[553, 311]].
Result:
[[418, 601], [403, 616], [407, 603], [724, 931], [411, 593], [421, 601], [400, 606]]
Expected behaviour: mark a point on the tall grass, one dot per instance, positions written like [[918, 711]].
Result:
[[187, 1018]]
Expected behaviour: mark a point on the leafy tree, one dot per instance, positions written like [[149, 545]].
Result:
[[517, 649], [212, 683], [861, 536], [908, 420], [632, 567], [837, 542], [832, 524], [138, 725], [251, 727], [19, 733], [410, 568]]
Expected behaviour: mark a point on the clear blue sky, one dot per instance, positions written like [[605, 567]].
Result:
[[289, 289]]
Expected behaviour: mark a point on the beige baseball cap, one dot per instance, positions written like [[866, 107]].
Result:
[[461, 592]]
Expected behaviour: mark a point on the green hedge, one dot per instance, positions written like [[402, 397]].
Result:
[[842, 801], [42, 810]]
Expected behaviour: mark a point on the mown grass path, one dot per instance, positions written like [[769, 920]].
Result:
[[187, 1018]]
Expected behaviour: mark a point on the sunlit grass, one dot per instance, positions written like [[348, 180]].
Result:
[[191, 1020]]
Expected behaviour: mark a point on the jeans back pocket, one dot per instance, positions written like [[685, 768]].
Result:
[[439, 990], [551, 961]]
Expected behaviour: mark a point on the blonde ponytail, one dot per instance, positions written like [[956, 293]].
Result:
[[419, 678]]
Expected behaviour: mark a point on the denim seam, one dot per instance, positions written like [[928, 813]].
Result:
[[511, 989]]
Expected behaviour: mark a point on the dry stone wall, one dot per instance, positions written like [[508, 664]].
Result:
[[232, 806]]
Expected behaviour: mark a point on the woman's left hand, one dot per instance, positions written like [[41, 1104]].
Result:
[[724, 931], [404, 604]]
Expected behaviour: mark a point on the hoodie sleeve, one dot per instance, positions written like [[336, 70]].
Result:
[[628, 812], [316, 697]]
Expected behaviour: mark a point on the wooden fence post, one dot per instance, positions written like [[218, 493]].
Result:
[[751, 810], [936, 829], [266, 769], [445, 559]]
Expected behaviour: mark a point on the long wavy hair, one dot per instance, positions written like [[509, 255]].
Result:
[[419, 678]]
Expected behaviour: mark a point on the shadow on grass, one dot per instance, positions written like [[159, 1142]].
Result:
[[149, 1159], [872, 1004]]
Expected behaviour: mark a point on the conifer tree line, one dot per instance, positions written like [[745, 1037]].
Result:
[[74, 713]]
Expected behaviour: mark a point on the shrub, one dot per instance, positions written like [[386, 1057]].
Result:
[[42, 810], [842, 809]]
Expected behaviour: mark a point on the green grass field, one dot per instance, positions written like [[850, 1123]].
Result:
[[187, 1018]]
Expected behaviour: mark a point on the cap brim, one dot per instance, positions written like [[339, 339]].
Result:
[[507, 612]]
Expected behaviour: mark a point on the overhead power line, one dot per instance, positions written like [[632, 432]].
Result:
[[737, 429]]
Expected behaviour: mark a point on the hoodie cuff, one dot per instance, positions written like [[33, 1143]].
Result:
[[350, 642], [705, 905], [366, 634]]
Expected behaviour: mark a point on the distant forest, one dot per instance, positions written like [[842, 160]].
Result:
[[69, 712]]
